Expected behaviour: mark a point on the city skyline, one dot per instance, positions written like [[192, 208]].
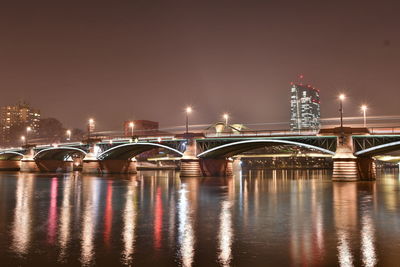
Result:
[[138, 59]]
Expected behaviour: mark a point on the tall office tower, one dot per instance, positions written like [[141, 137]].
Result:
[[14, 120], [304, 107]]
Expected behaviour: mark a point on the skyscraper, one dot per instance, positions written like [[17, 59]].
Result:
[[304, 107], [14, 119]]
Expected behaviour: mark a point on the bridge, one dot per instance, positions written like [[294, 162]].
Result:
[[201, 154]]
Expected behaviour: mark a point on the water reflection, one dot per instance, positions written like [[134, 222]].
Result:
[[108, 213], [257, 218], [225, 235], [345, 214], [158, 220], [129, 221], [65, 218], [368, 250], [21, 229], [348, 198], [186, 237], [52, 220], [91, 197]]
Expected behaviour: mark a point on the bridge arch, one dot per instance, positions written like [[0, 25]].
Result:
[[128, 151], [380, 149], [231, 149], [11, 155], [58, 153]]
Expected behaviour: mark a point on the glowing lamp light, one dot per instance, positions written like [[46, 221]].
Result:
[[159, 139], [22, 138], [28, 129], [189, 110], [226, 117], [364, 107], [342, 97]]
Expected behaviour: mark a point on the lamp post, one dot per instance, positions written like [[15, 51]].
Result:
[[28, 130], [226, 117], [23, 139], [68, 135], [131, 125], [341, 98], [188, 111], [364, 110], [90, 127]]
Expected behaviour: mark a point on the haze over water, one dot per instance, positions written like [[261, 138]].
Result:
[[256, 218]]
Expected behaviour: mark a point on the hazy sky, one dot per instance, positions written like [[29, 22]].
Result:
[[147, 59]]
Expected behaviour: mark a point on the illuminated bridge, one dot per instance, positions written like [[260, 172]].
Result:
[[352, 149]]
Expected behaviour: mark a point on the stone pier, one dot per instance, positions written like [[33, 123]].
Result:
[[216, 167], [55, 165], [118, 166], [346, 166], [10, 165], [28, 163], [190, 164], [90, 163]]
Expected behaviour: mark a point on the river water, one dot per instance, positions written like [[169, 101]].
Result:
[[155, 218]]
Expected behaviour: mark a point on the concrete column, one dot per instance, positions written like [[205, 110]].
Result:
[[190, 164], [216, 167], [10, 165], [28, 163], [118, 166], [347, 167], [344, 162], [55, 165], [366, 168], [237, 165], [90, 163]]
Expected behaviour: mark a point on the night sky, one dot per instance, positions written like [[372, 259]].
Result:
[[147, 60]]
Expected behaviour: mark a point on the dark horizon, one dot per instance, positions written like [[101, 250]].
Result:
[[149, 61]]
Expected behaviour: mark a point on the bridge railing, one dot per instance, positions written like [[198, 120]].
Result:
[[262, 133], [384, 130]]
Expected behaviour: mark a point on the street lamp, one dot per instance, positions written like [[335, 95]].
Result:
[[341, 98], [28, 130], [68, 135], [131, 125], [226, 117], [90, 127], [23, 139], [364, 110], [188, 111]]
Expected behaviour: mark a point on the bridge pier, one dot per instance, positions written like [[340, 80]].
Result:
[[90, 163], [216, 167], [366, 168], [190, 164], [91, 166], [55, 165], [118, 166], [237, 164], [10, 165], [347, 167], [28, 163]]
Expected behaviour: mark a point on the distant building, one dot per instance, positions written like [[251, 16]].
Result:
[[14, 119], [304, 108], [140, 128]]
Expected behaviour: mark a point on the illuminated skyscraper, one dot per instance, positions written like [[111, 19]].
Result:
[[304, 107]]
